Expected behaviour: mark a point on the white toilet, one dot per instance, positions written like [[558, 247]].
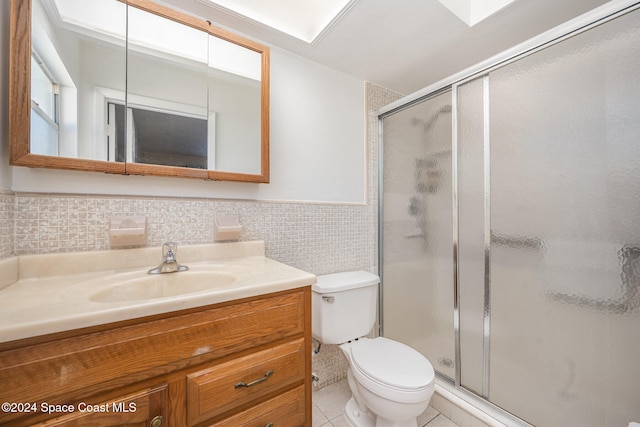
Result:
[[391, 383]]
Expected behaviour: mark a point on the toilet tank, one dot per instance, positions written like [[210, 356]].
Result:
[[343, 306]]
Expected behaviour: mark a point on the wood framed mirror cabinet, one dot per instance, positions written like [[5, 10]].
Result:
[[134, 87]]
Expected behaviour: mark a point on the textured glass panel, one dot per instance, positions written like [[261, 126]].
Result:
[[565, 252], [418, 230], [471, 245]]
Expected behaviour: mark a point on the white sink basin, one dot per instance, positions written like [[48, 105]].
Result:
[[165, 285]]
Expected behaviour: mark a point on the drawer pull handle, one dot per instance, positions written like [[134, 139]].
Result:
[[269, 425], [258, 381]]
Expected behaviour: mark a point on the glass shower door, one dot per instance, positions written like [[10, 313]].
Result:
[[549, 252], [565, 172], [417, 221]]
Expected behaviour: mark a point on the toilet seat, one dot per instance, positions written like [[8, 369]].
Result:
[[392, 369]]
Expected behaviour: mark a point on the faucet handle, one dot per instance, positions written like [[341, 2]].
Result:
[[169, 250], [169, 263]]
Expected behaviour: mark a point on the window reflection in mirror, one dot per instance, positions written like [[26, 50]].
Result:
[[158, 137], [75, 52], [45, 117]]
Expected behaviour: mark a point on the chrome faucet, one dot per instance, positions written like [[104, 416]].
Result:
[[169, 263]]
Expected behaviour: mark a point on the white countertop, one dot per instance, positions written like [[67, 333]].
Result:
[[51, 293]]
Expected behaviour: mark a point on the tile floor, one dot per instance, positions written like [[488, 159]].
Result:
[[329, 401]]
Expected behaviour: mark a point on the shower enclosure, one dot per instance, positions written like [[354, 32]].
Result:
[[510, 226]]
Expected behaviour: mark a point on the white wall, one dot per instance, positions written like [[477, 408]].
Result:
[[5, 173], [317, 146]]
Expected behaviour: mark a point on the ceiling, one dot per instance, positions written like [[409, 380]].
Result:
[[404, 45], [305, 20]]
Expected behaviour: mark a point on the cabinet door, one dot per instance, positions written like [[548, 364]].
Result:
[[135, 410]]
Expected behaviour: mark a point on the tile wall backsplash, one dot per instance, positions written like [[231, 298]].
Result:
[[319, 238], [7, 205], [377, 97]]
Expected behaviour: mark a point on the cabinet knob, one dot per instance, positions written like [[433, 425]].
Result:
[[157, 421]]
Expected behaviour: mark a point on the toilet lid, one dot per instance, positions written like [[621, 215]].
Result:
[[392, 363]]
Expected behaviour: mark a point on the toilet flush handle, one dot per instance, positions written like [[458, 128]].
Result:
[[328, 299]]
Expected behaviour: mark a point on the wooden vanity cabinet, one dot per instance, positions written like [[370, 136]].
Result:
[[240, 363]]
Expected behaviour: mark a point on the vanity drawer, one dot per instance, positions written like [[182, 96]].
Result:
[[286, 410], [216, 390]]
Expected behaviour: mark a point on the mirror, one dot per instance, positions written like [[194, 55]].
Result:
[[133, 87]]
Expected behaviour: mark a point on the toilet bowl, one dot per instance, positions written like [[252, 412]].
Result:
[[391, 383]]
